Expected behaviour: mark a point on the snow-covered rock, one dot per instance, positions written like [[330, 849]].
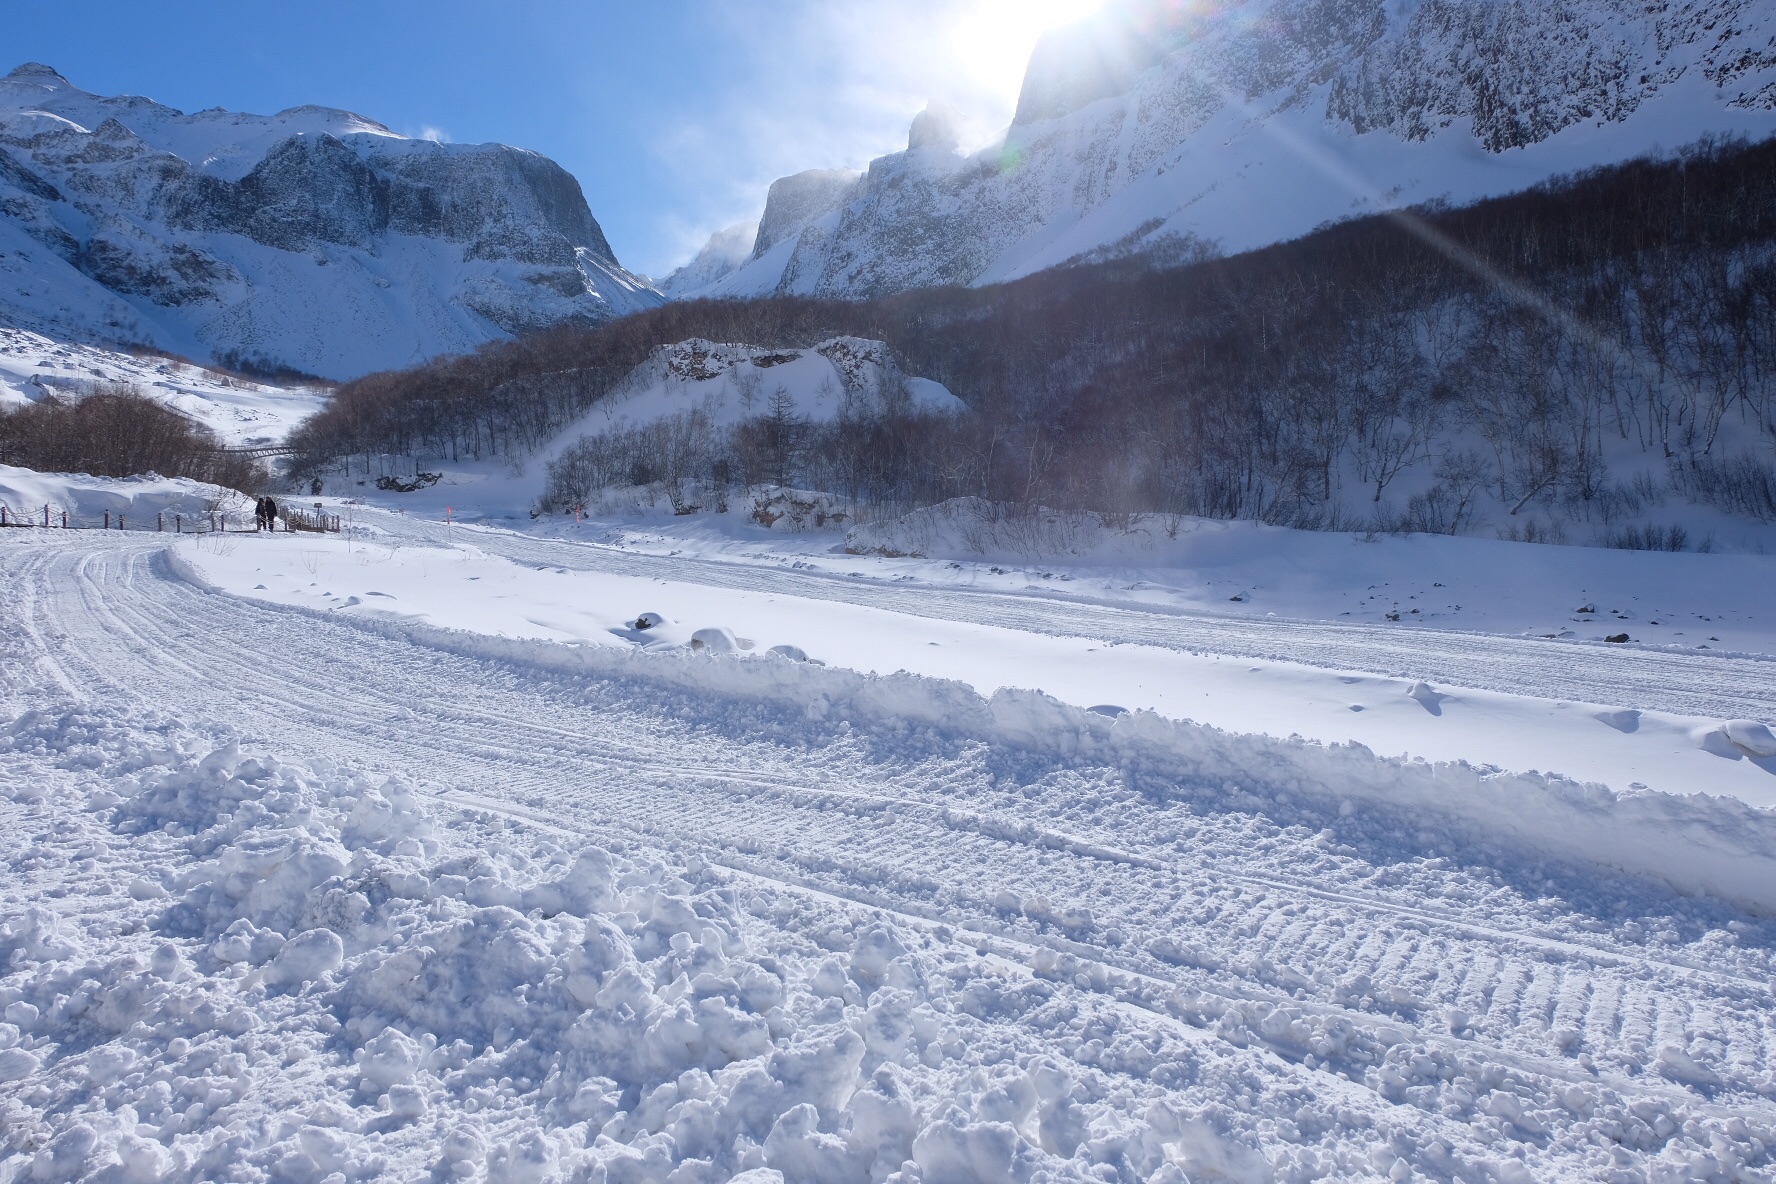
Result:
[[1156, 128], [730, 383], [314, 239]]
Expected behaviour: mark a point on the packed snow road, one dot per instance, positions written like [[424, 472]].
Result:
[[1625, 676], [618, 930]]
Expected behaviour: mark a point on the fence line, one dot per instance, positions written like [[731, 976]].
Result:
[[212, 522]]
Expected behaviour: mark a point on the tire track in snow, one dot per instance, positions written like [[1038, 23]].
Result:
[[140, 635]]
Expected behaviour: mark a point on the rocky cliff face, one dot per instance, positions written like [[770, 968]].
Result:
[[793, 204], [314, 240], [1163, 129]]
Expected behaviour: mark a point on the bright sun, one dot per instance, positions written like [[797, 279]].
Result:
[[993, 38]]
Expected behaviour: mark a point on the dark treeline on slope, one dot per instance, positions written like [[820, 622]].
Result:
[[117, 432], [1503, 347]]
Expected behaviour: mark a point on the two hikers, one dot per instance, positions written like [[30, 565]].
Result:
[[265, 513]]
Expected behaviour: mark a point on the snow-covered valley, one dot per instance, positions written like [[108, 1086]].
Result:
[[1014, 668], [383, 855]]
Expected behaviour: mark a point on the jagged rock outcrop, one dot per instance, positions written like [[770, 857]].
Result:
[[1165, 130], [313, 240], [797, 202]]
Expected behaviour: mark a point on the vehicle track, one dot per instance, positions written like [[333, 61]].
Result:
[[933, 834]]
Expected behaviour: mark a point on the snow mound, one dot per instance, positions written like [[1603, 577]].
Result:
[[86, 500], [1753, 737]]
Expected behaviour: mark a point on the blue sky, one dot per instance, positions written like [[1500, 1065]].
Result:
[[674, 114]]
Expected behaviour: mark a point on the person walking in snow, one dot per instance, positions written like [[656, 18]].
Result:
[[259, 513], [271, 515]]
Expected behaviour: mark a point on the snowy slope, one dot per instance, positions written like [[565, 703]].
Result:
[[313, 239], [241, 411], [1155, 128]]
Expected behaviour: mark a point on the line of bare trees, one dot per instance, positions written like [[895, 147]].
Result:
[[118, 432], [1500, 352]]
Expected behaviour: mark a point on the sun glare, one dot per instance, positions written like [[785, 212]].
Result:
[[993, 38]]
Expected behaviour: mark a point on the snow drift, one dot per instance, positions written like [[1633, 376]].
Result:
[[86, 500]]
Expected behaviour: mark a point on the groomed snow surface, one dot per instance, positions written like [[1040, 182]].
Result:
[[305, 883]]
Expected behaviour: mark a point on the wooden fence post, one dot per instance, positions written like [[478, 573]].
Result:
[[160, 523], [45, 515], [178, 524]]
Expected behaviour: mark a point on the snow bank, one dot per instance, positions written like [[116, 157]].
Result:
[[87, 499], [1697, 843]]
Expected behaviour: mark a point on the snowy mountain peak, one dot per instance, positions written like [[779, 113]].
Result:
[[36, 71], [315, 240]]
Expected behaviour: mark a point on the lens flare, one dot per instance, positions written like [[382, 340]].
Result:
[[994, 38]]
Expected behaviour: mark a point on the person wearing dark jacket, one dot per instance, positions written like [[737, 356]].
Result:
[[259, 513], [271, 514]]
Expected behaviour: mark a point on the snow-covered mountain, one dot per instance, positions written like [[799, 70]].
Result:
[[1163, 128], [314, 239], [793, 205]]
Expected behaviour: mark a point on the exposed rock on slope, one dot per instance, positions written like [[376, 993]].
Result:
[[1155, 128], [314, 239]]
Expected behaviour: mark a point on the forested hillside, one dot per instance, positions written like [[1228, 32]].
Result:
[[1575, 354]]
